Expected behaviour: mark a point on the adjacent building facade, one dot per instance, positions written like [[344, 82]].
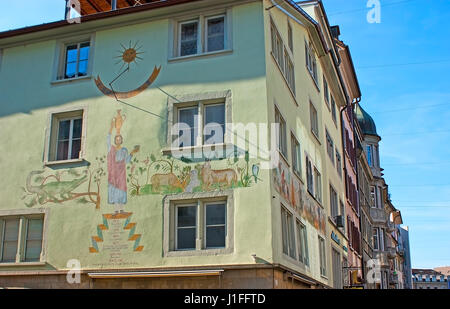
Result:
[[429, 279], [185, 144]]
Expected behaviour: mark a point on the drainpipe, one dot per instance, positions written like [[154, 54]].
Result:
[[113, 5]]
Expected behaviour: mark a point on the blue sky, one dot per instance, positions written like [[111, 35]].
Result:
[[403, 66]]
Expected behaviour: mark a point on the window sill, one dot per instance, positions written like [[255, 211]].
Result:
[[70, 80], [284, 158], [63, 162], [204, 152], [297, 174], [315, 82], [202, 252], [316, 137], [22, 264], [315, 199], [203, 55]]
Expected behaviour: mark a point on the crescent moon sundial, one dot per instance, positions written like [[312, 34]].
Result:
[[128, 56]]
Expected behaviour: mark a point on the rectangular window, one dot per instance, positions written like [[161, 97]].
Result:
[[76, 60], [341, 205], [333, 110], [199, 225], [188, 116], [330, 146], [338, 163], [334, 203], [69, 139], [211, 123], [33, 241], [188, 38], [30, 247], [215, 224], [376, 241], [309, 176], [326, 92], [311, 62], [215, 33], [289, 71], [277, 46], [296, 156], [303, 255], [290, 38], [337, 269], [214, 124], [10, 240], [322, 255], [66, 136], [204, 34], [373, 197], [282, 140], [314, 120], [282, 57], [288, 237], [317, 185], [186, 227], [369, 152]]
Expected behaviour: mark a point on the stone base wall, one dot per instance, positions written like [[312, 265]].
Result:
[[256, 278]]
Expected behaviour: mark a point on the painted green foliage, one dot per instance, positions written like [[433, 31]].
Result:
[[167, 175]]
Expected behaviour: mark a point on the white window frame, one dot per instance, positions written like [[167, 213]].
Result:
[[314, 120], [330, 146], [52, 131], [200, 201], [71, 139], [296, 155], [202, 35], [322, 257], [326, 91], [283, 57], [317, 185], [199, 38], [287, 221], [179, 102], [334, 203], [60, 58], [23, 216], [201, 118], [205, 205], [78, 44], [302, 242], [178, 206], [225, 34], [338, 162], [282, 134]]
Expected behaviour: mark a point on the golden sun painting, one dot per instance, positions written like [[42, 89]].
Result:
[[129, 55]]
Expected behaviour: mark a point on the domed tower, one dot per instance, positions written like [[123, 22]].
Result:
[[371, 139]]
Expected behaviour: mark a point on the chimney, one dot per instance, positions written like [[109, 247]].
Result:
[[335, 32]]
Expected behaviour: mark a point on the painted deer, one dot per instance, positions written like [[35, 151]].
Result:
[[210, 176]]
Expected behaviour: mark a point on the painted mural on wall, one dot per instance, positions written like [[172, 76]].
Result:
[[293, 192], [116, 230], [167, 175], [58, 187]]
